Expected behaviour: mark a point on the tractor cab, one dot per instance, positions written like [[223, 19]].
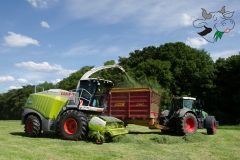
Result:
[[183, 103], [188, 103], [93, 92]]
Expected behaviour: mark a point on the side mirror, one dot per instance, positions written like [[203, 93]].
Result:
[[199, 106]]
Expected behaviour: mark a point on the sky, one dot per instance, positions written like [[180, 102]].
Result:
[[47, 40]]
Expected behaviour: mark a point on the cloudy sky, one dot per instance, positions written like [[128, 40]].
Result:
[[46, 40]]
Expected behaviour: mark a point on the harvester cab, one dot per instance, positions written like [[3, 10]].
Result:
[[74, 114], [93, 92], [186, 116]]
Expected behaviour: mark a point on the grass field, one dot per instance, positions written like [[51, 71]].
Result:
[[140, 144]]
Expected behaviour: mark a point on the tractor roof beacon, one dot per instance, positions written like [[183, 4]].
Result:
[[186, 116], [74, 114]]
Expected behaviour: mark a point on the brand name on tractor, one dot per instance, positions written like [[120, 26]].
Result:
[[67, 94]]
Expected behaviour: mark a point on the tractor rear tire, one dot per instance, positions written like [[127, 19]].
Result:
[[212, 125], [32, 126], [73, 125], [187, 124]]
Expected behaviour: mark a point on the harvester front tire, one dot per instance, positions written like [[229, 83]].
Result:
[[99, 141], [187, 124], [212, 125], [32, 126], [73, 125]]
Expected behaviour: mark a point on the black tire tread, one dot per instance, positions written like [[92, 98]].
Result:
[[81, 118], [181, 123], [36, 126], [210, 130]]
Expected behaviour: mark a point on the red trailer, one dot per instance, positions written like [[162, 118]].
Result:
[[138, 106]]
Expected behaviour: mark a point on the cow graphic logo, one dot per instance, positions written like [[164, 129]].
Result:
[[217, 22]]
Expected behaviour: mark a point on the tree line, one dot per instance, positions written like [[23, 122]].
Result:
[[171, 69]]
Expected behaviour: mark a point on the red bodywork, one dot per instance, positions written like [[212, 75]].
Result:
[[133, 103]]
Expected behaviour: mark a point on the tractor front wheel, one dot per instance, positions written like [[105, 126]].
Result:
[[32, 126], [187, 124], [211, 125], [73, 125]]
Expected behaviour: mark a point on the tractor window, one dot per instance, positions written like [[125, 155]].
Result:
[[188, 103], [177, 104]]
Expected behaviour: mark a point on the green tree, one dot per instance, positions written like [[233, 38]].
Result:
[[227, 93], [178, 68]]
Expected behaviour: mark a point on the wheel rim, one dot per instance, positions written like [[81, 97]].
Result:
[[189, 125], [29, 126], [98, 141], [214, 126], [70, 126]]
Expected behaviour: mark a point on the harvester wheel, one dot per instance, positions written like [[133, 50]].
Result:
[[187, 124], [73, 125], [211, 124], [99, 141], [32, 126]]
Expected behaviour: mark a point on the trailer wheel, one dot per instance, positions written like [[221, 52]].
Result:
[[211, 124], [99, 141], [73, 125], [165, 122], [32, 126], [187, 124]]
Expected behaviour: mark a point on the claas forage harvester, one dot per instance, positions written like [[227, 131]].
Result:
[[74, 115]]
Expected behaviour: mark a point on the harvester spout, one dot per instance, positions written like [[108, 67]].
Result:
[[94, 70]]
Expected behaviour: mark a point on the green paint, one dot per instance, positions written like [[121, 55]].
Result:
[[217, 35], [48, 105]]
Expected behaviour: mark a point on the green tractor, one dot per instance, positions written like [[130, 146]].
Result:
[[186, 116], [73, 115]]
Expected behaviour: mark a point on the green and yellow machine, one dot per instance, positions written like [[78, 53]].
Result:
[[75, 115]]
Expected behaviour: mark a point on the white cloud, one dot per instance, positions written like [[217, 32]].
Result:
[[50, 45], [22, 81], [65, 72], [238, 31], [148, 16], [6, 79], [38, 3], [56, 81], [224, 54], [196, 42], [186, 20], [45, 24], [18, 40], [39, 82], [14, 87], [82, 50], [44, 66]]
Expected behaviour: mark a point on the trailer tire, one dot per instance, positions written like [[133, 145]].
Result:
[[187, 124], [32, 126], [164, 122], [73, 125], [211, 124]]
